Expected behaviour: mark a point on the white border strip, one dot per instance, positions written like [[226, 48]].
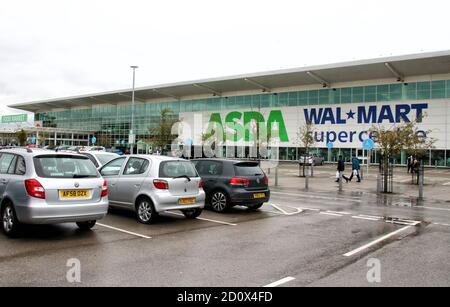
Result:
[[279, 282], [359, 249], [124, 231]]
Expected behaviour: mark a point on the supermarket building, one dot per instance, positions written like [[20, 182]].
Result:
[[343, 101]]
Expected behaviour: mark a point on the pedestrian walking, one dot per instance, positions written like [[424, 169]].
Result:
[[340, 170], [410, 162], [356, 167]]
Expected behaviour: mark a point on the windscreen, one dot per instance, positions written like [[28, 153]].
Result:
[[105, 158], [248, 169], [171, 169], [64, 166]]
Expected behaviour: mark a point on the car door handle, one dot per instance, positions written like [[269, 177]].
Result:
[[137, 185]]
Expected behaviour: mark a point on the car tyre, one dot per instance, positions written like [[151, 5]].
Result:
[[145, 211], [192, 213], [86, 225], [255, 206], [219, 201], [10, 223]]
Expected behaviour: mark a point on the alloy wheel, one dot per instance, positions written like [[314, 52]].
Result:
[[8, 219], [219, 201], [145, 211]]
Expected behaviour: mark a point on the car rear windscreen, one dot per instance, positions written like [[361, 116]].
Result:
[[248, 169], [171, 169], [105, 158], [64, 166]]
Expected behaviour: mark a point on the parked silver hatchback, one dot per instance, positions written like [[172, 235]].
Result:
[[150, 184], [44, 187]]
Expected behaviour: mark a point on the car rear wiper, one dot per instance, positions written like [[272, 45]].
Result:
[[182, 176], [82, 176]]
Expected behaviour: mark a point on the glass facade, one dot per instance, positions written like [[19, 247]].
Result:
[[112, 122]]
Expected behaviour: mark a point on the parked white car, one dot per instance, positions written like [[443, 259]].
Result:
[[149, 185]]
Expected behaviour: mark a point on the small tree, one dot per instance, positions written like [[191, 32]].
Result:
[[306, 140], [21, 136], [402, 137], [161, 135], [104, 140]]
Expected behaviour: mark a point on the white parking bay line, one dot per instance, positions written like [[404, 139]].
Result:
[[279, 282], [339, 212], [204, 219], [332, 214], [124, 231], [447, 183], [365, 218], [297, 210], [385, 237]]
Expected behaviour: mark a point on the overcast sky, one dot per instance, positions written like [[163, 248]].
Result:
[[56, 48]]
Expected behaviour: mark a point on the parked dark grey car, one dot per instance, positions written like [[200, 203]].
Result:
[[229, 183]]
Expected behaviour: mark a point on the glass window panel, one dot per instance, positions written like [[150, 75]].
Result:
[[346, 95], [410, 91], [423, 90], [282, 99], [256, 101], [265, 101], [448, 89], [293, 99], [370, 93], [382, 92], [358, 94], [313, 97], [274, 100], [395, 91], [437, 89], [248, 101], [303, 98], [324, 96], [438, 157]]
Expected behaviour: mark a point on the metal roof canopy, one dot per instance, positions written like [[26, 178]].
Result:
[[397, 68]]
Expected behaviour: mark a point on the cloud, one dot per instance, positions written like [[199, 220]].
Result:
[[61, 48]]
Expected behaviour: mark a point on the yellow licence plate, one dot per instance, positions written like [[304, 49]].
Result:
[[73, 194], [259, 195], [187, 201]]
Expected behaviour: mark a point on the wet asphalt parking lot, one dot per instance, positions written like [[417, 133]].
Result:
[[298, 239]]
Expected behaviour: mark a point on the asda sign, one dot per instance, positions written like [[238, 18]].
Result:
[[18, 118], [243, 126]]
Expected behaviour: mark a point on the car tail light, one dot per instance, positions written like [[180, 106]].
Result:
[[160, 184], [201, 183], [239, 181], [104, 189], [34, 188], [266, 180]]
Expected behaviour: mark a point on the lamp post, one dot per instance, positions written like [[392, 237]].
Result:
[[131, 138]]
